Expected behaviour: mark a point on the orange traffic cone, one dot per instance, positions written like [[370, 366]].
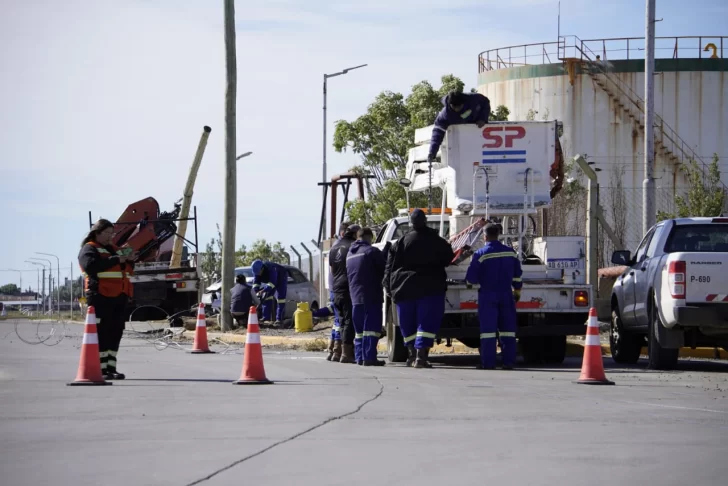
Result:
[[253, 370], [200, 345], [89, 367], [592, 368]]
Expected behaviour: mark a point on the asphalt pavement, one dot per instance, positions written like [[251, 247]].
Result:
[[177, 420]]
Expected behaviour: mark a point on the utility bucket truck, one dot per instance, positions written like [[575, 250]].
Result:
[[505, 173]]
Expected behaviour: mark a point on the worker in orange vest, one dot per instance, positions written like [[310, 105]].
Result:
[[107, 270]]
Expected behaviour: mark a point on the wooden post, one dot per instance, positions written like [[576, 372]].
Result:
[[228, 232]]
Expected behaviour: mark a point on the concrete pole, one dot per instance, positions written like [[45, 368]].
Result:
[[230, 215], [176, 260], [591, 223], [298, 255], [649, 211]]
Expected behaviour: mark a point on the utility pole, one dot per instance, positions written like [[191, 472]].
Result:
[[649, 211], [323, 179], [230, 215]]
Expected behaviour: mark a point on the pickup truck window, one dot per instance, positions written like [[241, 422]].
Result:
[[652, 247], [639, 255], [709, 238]]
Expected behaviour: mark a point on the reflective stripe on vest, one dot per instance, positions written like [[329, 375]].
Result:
[[115, 280]]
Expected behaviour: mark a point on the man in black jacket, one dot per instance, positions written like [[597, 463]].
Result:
[[340, 285], [415, 278]]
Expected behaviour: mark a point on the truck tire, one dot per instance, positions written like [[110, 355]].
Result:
[[625, 346], [396, 350], [553, 349], [531, 349], [473, 343], [659, 358]]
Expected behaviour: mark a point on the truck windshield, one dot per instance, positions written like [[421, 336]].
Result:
[[404, 228], [709, 238]]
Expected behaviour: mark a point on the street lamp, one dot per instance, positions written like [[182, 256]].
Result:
[[37, 289], [326, 77], [50, 281], [20, 274], [58, 276], [243, 155]]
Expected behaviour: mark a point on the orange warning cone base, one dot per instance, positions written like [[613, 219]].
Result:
[[200, 345], [253, 370], [592, 367], [89, 367]]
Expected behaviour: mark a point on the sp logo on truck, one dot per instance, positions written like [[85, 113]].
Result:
[[502, 137]]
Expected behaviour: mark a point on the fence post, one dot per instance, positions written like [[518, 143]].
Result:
[[298, 255], [310, 262]]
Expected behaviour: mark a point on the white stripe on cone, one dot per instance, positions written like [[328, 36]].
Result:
[[252, 338], [201, 323], [593, 322], [593, 340], [90, 338]]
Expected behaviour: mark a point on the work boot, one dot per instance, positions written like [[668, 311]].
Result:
[[330, 349], [422, 355], [376, 362], [112, 374], [412, 355], [347, 355], [337, 351]]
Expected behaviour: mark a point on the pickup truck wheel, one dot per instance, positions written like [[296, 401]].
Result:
[[659, 358], [396, 350], [625, 346], [553, 349]]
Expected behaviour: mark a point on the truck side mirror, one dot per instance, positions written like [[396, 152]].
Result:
[[621, 257]]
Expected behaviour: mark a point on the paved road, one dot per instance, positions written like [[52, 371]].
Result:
[[177, 420]]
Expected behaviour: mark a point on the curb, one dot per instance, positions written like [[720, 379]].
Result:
[[573, 348]]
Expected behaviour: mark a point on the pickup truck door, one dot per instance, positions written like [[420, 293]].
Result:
[[630, 279], [644, 277]]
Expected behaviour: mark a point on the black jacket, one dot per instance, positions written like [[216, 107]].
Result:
[[241, 298], [92, 263], [416, 265], [337, 262]]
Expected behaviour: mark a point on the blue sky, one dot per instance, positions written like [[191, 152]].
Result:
[[102, 102]]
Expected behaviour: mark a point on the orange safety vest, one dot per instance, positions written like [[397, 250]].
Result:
[[115, 280]]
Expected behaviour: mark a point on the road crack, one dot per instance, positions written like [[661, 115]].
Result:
[[293, 437]]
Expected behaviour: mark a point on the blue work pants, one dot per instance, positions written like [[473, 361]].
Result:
[[368, 329], [497, 312], [420, 320]]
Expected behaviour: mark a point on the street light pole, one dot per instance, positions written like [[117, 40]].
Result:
[[39, 280], [326, 77], [649, 213], [50, 282], [20, 274], [58, 279]]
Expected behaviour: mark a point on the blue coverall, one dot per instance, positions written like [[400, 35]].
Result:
[[275, 278], [365, 270], [497, 270], [328, 311], [475, 109]]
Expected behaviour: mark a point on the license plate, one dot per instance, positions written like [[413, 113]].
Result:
[[563, 264]]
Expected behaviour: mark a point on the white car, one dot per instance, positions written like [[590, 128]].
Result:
[[300, 289]]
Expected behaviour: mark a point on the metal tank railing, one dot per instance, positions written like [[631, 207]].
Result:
[[618, 48]]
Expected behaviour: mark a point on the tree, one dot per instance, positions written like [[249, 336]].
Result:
[[10, 289], [261, 250], [211, 262], [383, 137], [705, 196]]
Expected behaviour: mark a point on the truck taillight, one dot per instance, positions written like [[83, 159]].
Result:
[[581, 298], [676, 279]]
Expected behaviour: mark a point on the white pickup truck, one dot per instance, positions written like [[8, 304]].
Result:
[[550, 309], [674, 292]]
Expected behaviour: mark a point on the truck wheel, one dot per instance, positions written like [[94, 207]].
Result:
[[396, 350], [625, 346], [473, 343], [659, 358], [531, 349], [553, 349]]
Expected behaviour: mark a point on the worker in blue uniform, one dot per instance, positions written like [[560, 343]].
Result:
[[497, 270], [365, 271], [458, 108], [325, 312], [271, 279], [415, 278]]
